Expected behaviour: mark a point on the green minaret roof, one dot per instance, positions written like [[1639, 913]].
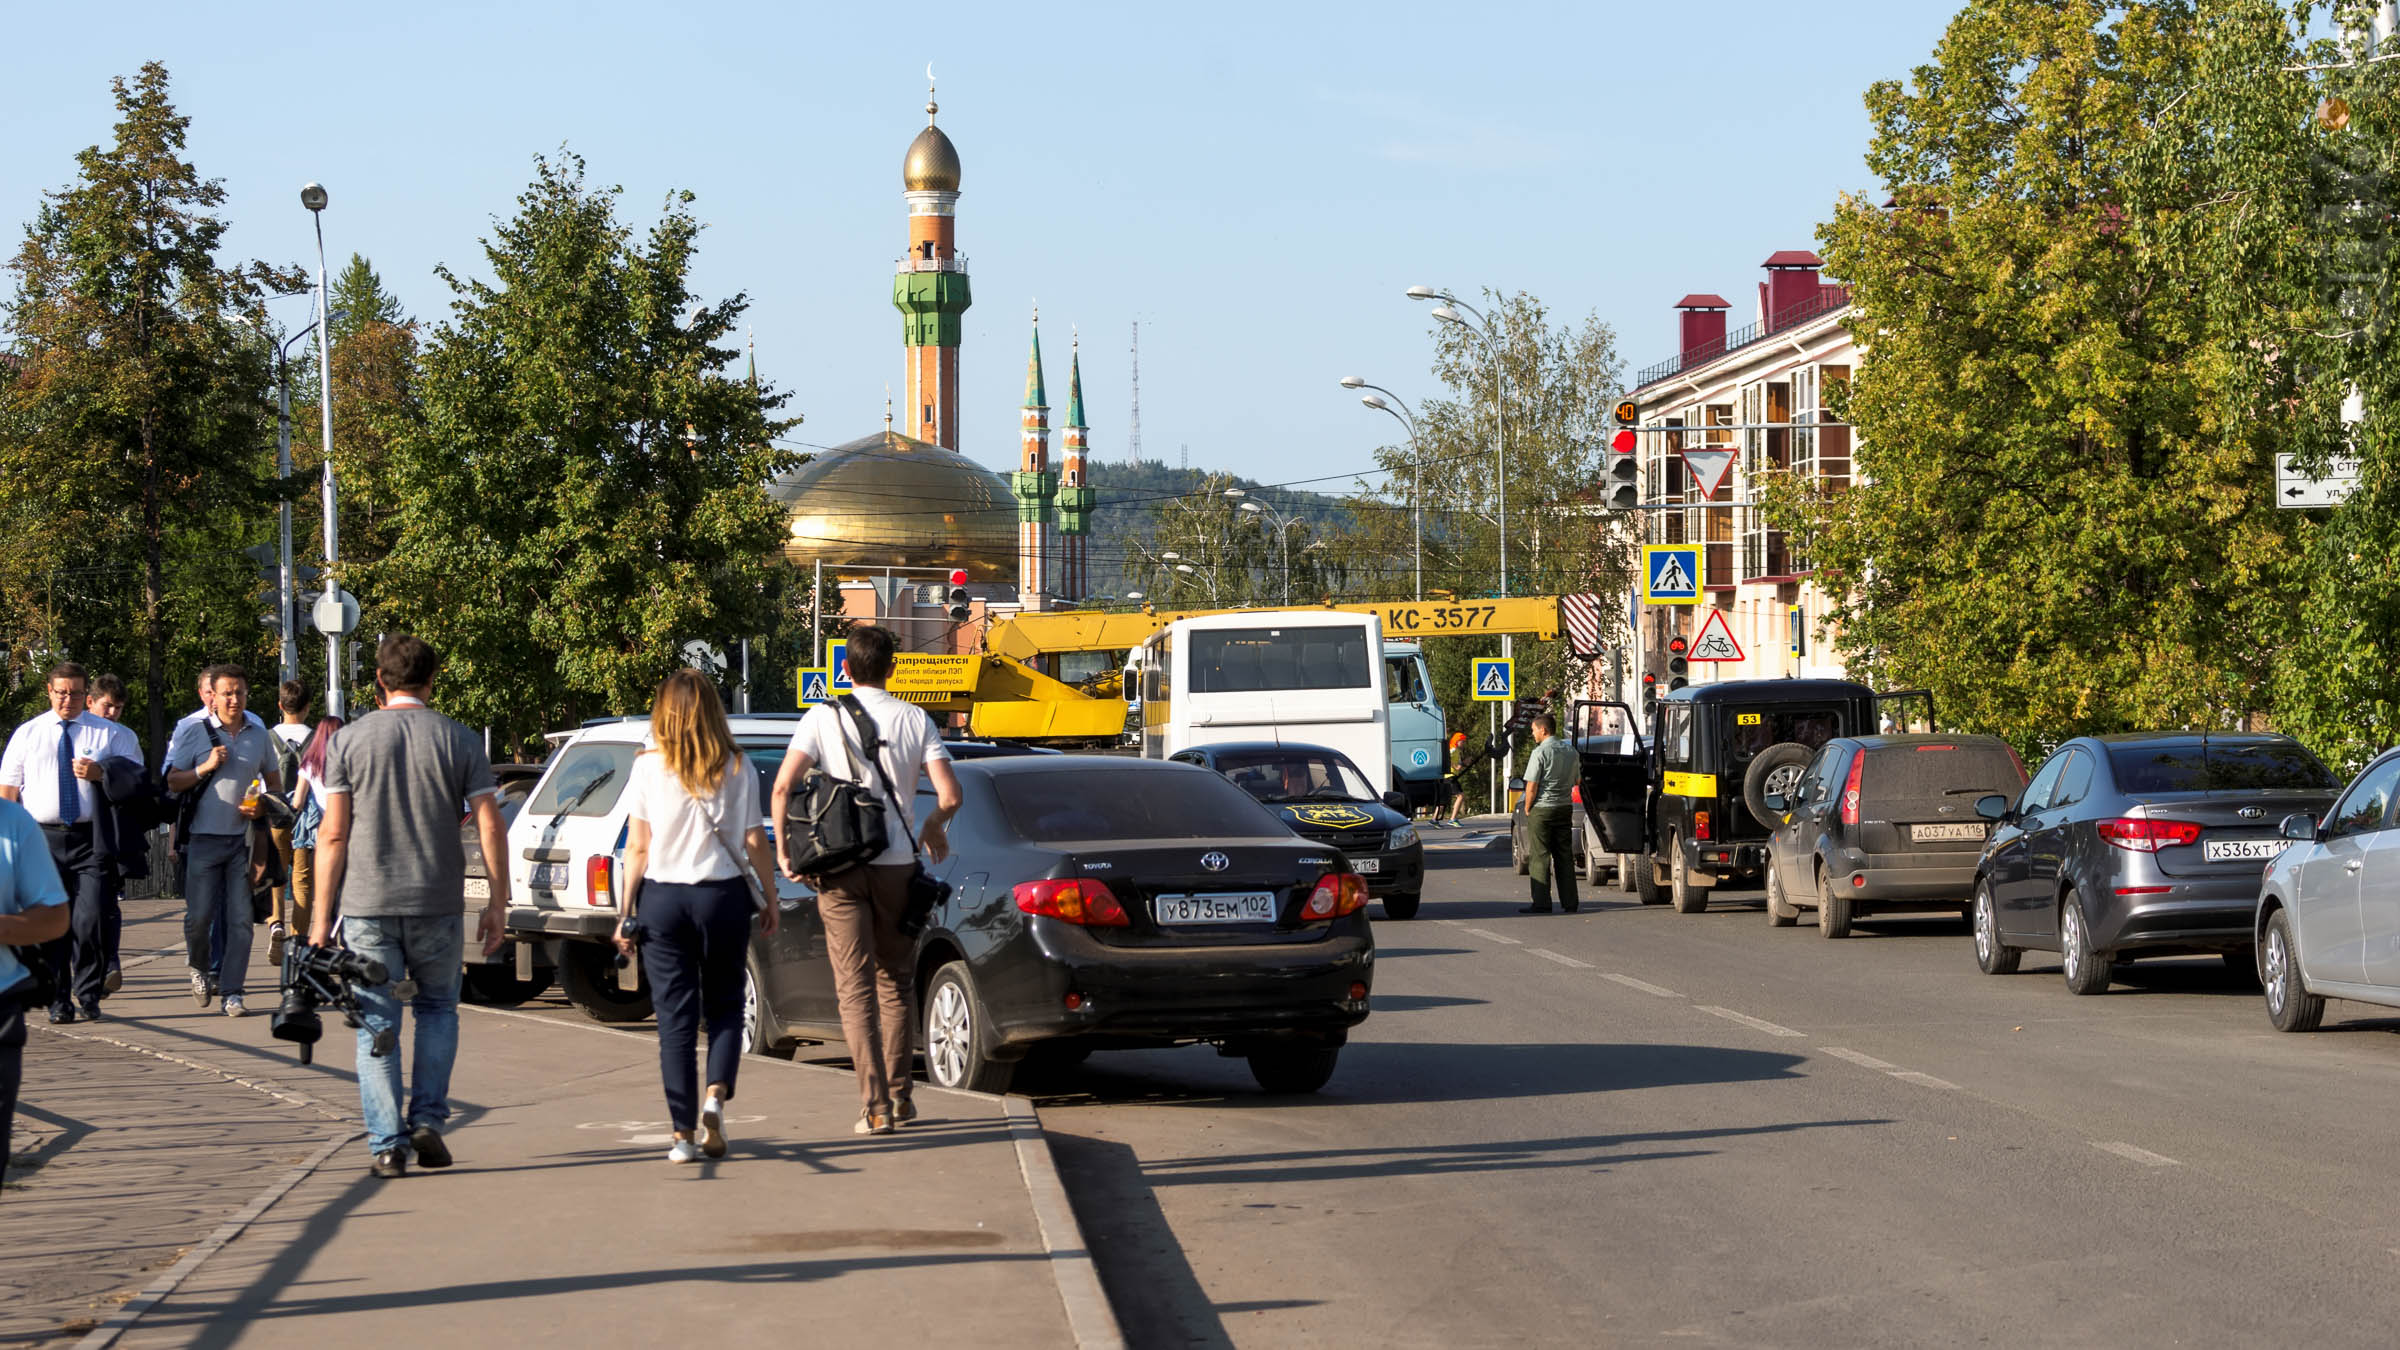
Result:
[[1035, 397], [1075, 388]]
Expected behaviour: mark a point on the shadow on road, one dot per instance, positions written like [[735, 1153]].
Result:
[[1391, 1003], [1149, 1281]]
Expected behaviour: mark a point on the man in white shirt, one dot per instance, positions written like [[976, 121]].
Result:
[[861, 907], [53, 767]]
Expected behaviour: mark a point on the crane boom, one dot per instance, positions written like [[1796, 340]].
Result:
[[1030, 637]]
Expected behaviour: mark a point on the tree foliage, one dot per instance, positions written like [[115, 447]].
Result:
[[581, 482]]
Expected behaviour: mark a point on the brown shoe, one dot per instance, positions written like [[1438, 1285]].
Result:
[[872, 1121], [904, 1110]]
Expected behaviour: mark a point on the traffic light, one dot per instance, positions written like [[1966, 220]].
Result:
[[1621, 481], [960, 606], [270, 583], [1627, 412], [1649, 690], [1677, 667]]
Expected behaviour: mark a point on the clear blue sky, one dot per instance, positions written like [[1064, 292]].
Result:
[[1257, 184]]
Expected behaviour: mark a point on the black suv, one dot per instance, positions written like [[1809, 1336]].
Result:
[[1692, 806]]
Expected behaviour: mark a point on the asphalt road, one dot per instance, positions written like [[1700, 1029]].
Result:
[[1632, 1126]]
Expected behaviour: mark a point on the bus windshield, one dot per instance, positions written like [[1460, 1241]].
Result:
[[1255, 660]]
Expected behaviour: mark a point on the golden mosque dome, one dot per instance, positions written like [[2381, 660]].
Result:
[[932, 162], [887, 500]]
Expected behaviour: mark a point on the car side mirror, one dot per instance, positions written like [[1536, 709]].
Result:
[[1993, 807], [1396, 801], [1778, 803], [2301, 826]]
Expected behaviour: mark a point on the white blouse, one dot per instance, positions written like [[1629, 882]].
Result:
[[684, 843]]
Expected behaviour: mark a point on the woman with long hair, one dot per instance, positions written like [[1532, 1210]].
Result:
[[308, 804], [691, 894]]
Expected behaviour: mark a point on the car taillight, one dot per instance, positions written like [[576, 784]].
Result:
[[1700, 825], [1072, 900], [1337, 893], [2147, 836], [1858, 766], [600, 881]]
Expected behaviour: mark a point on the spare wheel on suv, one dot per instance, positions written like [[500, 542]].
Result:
[[1776, 769]]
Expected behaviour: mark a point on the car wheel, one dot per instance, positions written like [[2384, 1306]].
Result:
[[1595, 864], [1517, 856], [1777, 769], [1645, 880], [958, 1037], [1834, 910], [1402, 904], [1294, 1068], [588, 971], [497, 986], [1992, 956], [1689, 899], [2289, 1004], [755, 1037], [2087, 971], [1625, 878], [1780, 911]]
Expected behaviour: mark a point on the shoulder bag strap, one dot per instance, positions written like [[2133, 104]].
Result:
[[716, 825]]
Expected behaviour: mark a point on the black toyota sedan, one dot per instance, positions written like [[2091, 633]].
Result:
[[2139, 845], [1324, 798], [1105, 903]]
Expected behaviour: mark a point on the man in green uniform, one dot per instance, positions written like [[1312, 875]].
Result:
[[1549, 814]]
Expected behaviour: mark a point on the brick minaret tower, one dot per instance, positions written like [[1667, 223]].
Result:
[[1074, 496], [930, 285], [1034, 485]]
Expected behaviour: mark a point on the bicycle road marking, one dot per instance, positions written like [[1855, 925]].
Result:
[[1745, 1019], [1644, 985], [1564, 960], [2140, 1155]]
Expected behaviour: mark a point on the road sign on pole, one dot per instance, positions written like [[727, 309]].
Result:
[[1708, 469], [1715, 642], [2296, 491], [837, 666], [812, 686], [1495, 679], [1671, 574]]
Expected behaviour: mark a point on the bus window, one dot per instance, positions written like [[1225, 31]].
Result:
[[1257, 660]]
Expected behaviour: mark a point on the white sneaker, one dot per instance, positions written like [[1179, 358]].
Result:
[[712, 1128], [233, 1005], [200, 990], [683, 1152]]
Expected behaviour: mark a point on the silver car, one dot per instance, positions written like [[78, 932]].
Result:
[[2328, 919]]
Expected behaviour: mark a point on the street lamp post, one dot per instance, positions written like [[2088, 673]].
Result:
[[1283, 527], [1448, 312], [313, 197], [1399, 408]]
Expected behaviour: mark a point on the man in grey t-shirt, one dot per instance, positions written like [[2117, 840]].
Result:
[[218, 757], [390, 864]]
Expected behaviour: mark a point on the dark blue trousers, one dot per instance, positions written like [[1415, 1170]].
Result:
[[695, 948], [79, 960]]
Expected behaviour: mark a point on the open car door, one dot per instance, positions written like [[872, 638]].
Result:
[[1892, 706], [1616, 773]]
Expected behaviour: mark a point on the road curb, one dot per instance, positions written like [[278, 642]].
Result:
[[1089, 1314]]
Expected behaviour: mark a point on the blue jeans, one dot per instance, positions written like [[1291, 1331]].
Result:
[[216, 888], [426, 949]]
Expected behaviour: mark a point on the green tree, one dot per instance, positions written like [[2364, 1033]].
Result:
[[135, 448], [2055, 529], [582, 484]]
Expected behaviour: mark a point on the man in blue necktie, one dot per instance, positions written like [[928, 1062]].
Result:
[[53, 767]]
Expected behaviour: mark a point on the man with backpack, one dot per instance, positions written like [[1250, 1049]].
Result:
[[871, 738]]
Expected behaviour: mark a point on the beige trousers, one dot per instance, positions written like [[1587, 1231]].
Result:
[[872, 977]]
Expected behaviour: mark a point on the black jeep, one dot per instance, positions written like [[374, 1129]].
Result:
[[1690, 807]]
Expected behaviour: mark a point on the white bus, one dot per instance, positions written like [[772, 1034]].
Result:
[[1293, 677]]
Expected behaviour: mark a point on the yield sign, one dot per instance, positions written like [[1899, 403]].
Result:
[[1715, 642], [1708, 469]]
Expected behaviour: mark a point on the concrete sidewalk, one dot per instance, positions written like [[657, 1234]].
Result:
[[561, 1219]]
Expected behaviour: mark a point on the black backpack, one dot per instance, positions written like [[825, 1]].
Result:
[[833, 825]]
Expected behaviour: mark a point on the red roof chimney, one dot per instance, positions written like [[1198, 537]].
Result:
[[1703, 321], [1791, 284]]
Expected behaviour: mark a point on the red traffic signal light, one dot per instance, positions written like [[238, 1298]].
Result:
[[958, 576], [1622, 442], [1678, 646]]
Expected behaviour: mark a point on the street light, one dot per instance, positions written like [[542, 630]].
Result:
[[1399, 408], [1283, 525], [287, 581], [314, 198]]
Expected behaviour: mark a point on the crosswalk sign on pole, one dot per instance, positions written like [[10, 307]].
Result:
[[1495, 679], [812, 687], [837, 666], [1671, 574], [1715, 642]]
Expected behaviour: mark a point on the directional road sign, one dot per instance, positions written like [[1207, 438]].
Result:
[[2297, 491], [812, 686], [837, 666], [1671, 574], [1715, 642], [1495, 679]]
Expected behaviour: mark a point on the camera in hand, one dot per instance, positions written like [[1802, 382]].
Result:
[[631, 931], [324, 977]]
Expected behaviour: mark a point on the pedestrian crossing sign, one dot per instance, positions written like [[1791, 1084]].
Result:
[[1671, 574], [837, 666], [812, 687], [1495, 679]]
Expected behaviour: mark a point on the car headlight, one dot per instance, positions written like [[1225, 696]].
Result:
[[1402, 837]]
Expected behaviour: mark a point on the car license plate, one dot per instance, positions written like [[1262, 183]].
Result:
[[1366, 867], [2241, 850], [1945, 834], [1246, 907], [478, 888], [548, 877]]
